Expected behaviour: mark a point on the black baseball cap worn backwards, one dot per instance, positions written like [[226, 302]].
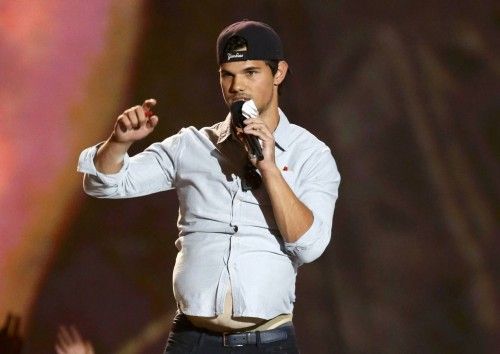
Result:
[[263, 43]]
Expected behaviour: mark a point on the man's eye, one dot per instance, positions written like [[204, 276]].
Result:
[[251, 73]]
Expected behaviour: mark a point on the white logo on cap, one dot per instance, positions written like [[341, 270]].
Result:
[[234, 55]]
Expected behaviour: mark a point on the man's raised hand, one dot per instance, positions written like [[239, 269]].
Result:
[[135, 123], [70, 341]]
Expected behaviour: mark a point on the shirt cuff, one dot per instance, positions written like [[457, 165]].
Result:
[[307, 248], [86, 165]]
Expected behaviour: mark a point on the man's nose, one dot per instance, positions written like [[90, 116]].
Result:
[[238, 84]]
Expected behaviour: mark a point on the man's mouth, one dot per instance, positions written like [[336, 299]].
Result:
[[240, 98]]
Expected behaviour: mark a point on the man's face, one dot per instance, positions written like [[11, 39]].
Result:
[[245, 80]]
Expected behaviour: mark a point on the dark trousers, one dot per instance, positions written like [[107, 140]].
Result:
[[185, 338]]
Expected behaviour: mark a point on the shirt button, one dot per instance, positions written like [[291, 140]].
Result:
[[235, 228]]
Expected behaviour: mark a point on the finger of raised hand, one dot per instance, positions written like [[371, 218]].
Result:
[[64, 337], [124, 123], [60, 350], [75, 334], [141, 115], [149, 104], [131, 113]]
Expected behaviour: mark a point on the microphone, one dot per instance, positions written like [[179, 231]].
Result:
[[240, 110]]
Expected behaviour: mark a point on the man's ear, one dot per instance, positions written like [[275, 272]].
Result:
[[280, 73]]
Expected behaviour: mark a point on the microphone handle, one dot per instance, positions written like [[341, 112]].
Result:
[[255, 148]]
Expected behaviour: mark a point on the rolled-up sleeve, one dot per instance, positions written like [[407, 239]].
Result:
[[318, 190], [150, 171]]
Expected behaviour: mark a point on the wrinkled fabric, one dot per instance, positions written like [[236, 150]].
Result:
[[228, 237]]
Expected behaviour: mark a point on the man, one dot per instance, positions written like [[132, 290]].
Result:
[[245, 224]]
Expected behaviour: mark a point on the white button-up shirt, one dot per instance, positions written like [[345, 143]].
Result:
[[228, 237]]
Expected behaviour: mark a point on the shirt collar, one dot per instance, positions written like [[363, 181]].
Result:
[[281, 134], [224, 130]]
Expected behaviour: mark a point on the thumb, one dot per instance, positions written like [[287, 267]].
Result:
[[152, 122]]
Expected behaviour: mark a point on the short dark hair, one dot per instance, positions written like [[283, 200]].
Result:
[[236, 43]]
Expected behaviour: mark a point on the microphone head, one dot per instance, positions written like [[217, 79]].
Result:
[[236, 115], [249, 109]]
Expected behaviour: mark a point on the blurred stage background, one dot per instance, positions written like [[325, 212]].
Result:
[[406, 93]]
